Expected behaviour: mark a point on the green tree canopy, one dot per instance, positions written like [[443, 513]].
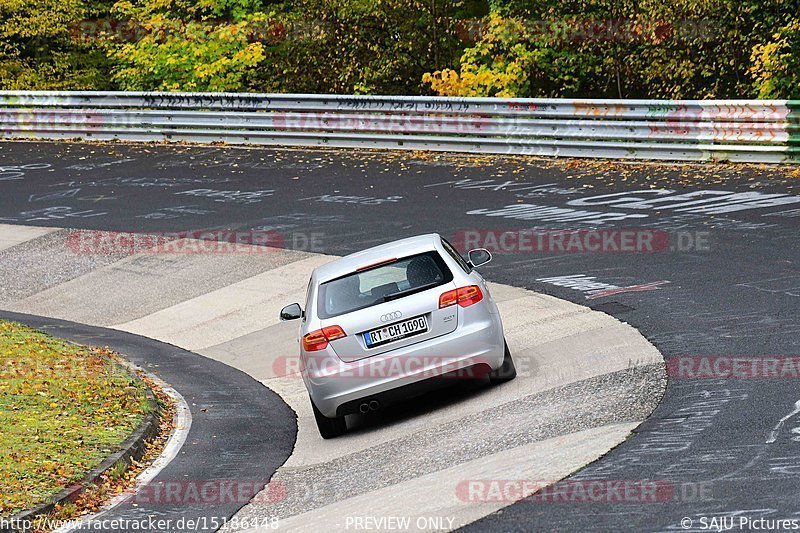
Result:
[[776, 64], [205, 45], [631, 49], [548, 48], [362, 46], [42, 45]]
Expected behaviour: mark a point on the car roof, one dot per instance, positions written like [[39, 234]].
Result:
[[402, 248]]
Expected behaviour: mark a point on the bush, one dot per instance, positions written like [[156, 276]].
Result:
[[360, 46], [776, 64], [626, 49], [187, 46], [41, 46]]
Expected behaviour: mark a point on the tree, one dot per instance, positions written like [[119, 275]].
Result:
[[42, 47], [360, 46], [626, 49], [498, 65], [776, 64], [183, 45]]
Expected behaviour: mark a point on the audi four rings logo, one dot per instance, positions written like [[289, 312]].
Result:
[[391, 316]]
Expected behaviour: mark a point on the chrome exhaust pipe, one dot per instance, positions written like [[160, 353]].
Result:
[[374, 405], [364, 407]]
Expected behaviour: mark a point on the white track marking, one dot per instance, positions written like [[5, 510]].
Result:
[[773, 435], [182, 423]]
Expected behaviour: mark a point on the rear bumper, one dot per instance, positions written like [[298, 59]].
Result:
[[474, 348], [410, 390]]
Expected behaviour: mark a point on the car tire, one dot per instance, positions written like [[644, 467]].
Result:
[[507, 370], [329, 428]]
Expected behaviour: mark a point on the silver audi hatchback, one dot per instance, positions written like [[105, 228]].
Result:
[[394, 321]]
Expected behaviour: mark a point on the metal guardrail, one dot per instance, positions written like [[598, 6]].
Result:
[[704, 130]]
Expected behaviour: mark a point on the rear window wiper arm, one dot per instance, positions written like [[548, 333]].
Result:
[[400, 294]]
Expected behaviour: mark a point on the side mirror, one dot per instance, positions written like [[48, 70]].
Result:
[[478, 257], [291, 312]]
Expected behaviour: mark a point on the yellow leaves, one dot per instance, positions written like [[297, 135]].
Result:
[[123, 6], [189, 55], [775, 65], [446, 82], [497, 65]]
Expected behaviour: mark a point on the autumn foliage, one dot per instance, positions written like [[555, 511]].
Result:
[[63, 409], [510, 48]]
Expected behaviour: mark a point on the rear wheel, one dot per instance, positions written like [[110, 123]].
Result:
[[329, 427], [507, 370]]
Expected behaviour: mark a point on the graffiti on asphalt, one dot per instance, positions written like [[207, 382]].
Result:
[[53, 195], [93, 165], [53, 213], [703, 202], [178, 211], [773, 435], [707, 202], [237, 197], [363, 200], [597, 289], [142, 182], [17, 172], [554, 214], [787, 285], [532, 189]]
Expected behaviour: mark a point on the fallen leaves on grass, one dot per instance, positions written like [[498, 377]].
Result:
[[63, 409]]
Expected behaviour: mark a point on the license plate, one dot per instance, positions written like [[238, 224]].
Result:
[[393, 332]]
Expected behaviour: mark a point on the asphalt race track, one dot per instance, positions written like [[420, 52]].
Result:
[[722, 284]]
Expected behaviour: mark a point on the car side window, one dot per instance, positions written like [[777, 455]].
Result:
[[455, 255]]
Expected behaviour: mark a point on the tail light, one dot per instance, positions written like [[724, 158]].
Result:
[[464, 296], [319, 339]]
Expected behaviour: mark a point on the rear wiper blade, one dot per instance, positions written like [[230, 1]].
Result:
[[400, 294]]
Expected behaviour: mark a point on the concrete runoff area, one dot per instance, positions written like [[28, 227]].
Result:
[[585, 380], [13, 235]]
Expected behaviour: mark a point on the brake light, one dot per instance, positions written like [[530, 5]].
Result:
[[379, 263], [464, 296], [469, 295], [448, 298], [319, 339], [333, 332]]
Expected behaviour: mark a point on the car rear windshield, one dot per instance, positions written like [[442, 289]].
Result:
[[389, 281]]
